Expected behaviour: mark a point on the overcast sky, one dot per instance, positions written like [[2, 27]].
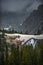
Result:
[[19, 5]]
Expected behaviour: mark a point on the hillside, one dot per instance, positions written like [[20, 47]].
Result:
[[33, 22]]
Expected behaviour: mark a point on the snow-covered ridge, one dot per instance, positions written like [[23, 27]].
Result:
[[18, 39], [25, 36]]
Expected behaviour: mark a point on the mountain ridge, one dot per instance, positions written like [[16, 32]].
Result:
[[34, 20]]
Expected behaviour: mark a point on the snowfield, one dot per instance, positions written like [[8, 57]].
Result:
[[18, 39], [24, 36]]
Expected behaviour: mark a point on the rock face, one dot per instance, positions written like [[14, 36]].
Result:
[[33, 22]]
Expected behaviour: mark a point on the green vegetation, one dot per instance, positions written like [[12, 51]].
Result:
[[21, 32], [25, 55], [13, 31], [8, 31]]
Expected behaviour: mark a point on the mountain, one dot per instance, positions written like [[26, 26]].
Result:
[[33, 22]]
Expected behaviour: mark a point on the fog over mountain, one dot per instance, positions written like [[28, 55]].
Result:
[[33, 22], [15, 12]]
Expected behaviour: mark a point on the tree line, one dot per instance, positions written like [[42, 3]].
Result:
[[21, 32]]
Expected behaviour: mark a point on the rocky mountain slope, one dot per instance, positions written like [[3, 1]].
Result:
[[33, 22]]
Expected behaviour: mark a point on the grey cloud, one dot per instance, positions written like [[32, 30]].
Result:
[[15, 5], [41, 1]]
